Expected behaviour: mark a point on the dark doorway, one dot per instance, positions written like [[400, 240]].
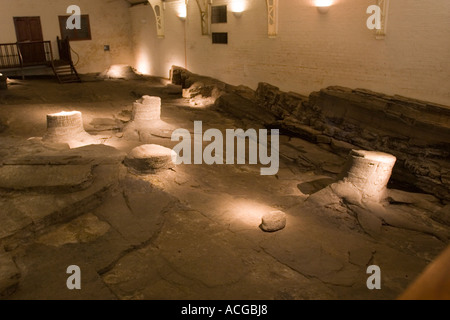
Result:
[[28, 31]]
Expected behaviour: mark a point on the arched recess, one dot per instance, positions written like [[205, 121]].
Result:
[[203, 6], [272, 18], [158, 9], [384, 6]]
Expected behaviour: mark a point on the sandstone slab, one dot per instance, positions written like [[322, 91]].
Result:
[[25, 215], [150, 158], [63, 178], [9, 274]]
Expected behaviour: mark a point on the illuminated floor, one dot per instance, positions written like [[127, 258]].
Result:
[[191, 233]]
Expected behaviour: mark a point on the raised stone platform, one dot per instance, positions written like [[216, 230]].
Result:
[[45, 177], [150, 158], [41, 186]]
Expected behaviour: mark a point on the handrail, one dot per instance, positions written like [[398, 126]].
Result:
[[51, 50], [16, 56], [11, 55], [32, 42], [20, 57]]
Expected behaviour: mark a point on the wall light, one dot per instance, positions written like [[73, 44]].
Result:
[[323, 5], [238, 7], [182, 12], [237, 14]]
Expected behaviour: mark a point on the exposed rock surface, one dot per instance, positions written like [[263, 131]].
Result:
[[442, 215], [362, 193], [150, 158], [193, 233], [120, 71], [282, 104], [173, 89], [45, 177], [9, 274], [41, 186], [3, 124], [416, 132]]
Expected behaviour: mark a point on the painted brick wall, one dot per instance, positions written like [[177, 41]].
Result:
[[312, 50]]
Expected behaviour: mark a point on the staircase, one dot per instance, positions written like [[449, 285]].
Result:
[[65, 71], [11, 58]]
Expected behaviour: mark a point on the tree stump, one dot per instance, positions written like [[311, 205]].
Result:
[[151, 158], [64, 124], [369, 172], [147, 108], [67, 127]]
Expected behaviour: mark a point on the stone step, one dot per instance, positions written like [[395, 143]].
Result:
[[46, 178], [23, 216]]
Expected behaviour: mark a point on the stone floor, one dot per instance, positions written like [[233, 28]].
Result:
[[191, 232]]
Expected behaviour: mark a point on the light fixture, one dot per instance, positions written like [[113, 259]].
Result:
[[237, 14], [182, 12], [238, 7], [323, 5]]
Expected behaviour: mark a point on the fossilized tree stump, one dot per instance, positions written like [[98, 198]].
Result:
[[146, 121], [64, 124], [67, 127], [147, 108], [151, 158], [369, 172]]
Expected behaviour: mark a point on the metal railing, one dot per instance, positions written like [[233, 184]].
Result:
[[10, 56], [23, 54]]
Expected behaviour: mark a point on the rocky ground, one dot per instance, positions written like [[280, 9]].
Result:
[[191, 232]]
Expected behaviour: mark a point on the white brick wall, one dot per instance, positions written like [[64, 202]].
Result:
[[312, 50]]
